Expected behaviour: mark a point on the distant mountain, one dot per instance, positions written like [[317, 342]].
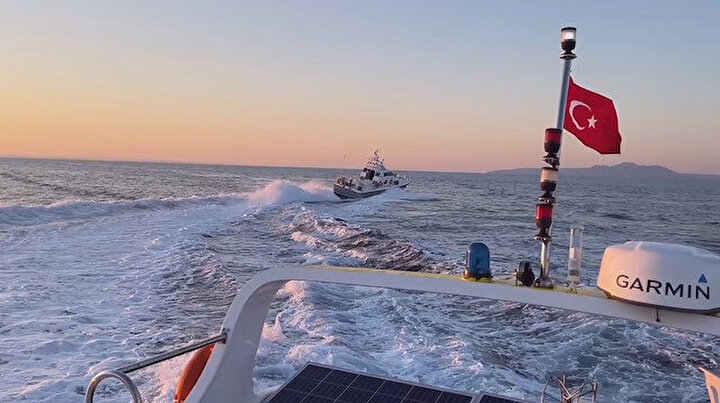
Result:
[[623, 170]]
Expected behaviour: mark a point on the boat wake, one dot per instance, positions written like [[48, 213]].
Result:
[[70, 210], [275, 193], [397, 194], [332, 241], [92, 281], [284, 192], [100, 276]]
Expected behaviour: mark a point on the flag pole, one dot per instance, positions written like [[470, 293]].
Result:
[[548, 177], [567, 58]]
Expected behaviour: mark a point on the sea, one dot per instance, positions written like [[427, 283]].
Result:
[[106, 263]]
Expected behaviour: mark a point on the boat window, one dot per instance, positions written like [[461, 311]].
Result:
[[370, 175]]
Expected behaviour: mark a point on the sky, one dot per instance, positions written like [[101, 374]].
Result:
[[451, 86]]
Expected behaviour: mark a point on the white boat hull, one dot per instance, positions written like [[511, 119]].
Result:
[[344, 192]]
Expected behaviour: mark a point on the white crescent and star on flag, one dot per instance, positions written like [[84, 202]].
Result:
[[591, 121], [592, 118]]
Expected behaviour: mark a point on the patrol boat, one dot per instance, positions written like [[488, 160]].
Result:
[[374, 179]]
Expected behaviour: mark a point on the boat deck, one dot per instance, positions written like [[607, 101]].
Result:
[[317, 383]]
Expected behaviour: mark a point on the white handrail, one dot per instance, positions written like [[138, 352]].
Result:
[[122, 372], [228, 374], [129, 384]]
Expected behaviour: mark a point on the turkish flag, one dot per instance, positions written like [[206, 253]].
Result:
[[591, 117]]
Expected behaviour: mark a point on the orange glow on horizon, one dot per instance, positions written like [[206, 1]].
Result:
[[271, 88]]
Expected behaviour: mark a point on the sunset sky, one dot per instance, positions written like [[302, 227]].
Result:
[[436, 85]]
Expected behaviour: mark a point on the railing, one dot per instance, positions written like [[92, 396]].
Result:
[[228, 374], [121, 373]]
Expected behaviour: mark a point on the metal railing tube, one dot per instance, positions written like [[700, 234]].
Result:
[[121, 373], [174, 353], [134, 392]]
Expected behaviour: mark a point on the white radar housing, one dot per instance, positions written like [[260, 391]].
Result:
[[662, 275]]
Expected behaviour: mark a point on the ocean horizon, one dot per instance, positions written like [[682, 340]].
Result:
[[356, 168]]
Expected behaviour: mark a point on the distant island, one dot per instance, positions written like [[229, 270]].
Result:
[[623, 170]]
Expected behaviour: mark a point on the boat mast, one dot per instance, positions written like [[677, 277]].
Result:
[[548, 176]]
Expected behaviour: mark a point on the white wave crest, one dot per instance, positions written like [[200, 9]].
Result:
[[283, 192], [273, 332], [73, 210]]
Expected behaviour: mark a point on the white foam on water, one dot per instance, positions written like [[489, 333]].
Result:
[[167, 374], [293, 289], [71, 210], [380, 331], [283, 192], [392, 198], [397, 194], [98, 291], [273, 332], [101, 283], [102, 286]]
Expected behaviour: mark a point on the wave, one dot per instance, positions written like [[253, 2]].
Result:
[[72, 210], [64, 189], [618, 216], [284, 192], [340, 242], [75, 210], [137, 279]]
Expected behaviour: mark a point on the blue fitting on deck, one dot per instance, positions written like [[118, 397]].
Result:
[[477, 262]]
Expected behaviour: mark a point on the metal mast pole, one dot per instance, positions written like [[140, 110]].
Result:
[[568, 58], [568, 44]]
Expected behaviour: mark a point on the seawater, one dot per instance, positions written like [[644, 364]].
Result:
[[106, 263]]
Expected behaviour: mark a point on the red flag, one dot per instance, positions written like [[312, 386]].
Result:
[[591, 117]]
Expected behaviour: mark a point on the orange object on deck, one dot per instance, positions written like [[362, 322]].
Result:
[[191, 373]]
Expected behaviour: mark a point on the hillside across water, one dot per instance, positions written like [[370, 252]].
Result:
[[625, 170]]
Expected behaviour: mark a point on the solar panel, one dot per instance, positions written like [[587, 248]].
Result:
[[496, 399], [321, 384]]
